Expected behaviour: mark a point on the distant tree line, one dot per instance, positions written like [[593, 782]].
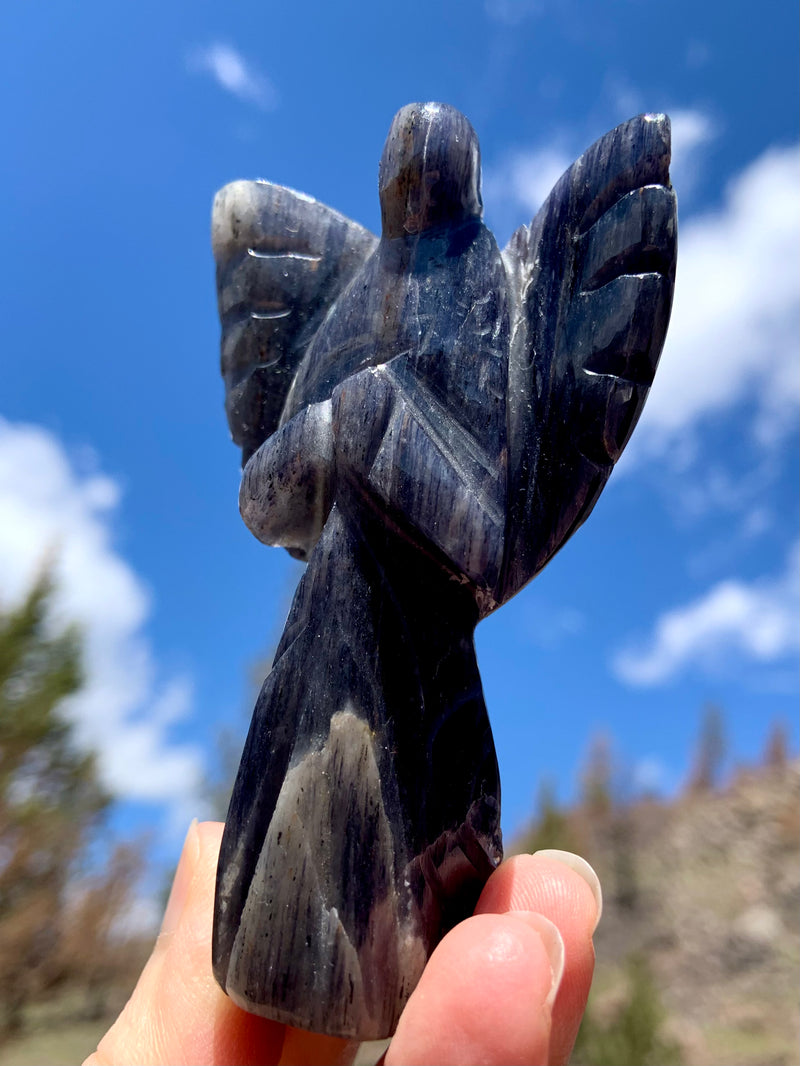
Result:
[[603, 825]]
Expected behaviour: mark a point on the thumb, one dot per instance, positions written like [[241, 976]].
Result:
[[178, 1013]]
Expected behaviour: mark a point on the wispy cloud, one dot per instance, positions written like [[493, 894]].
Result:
[[549, 626], [516, 187], [622, 96], [512, 12], [523, 178], [529, 176], [649, 775], [125, 711], [234, 74], [755, 621], [692, 130], [697, 54]]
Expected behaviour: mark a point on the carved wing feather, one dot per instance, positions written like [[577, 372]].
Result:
[[282, 259], [593, 276]]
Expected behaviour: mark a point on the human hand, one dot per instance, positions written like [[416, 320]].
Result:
[[507, 986]]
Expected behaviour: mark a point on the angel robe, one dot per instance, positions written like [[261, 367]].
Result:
[[367, 800]]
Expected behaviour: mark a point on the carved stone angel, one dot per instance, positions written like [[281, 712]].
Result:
[[426, 421]]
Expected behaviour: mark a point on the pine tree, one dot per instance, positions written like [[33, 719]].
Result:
[[597, 790], [633, 1036], [551, 828], [50, 797], [776, 753], [711, 751]]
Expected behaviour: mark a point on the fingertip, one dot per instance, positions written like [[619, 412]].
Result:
[[501, 967], [548, 884], [583, 869], [560, 889]]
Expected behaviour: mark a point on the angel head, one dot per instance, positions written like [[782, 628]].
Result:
[[430, 171]]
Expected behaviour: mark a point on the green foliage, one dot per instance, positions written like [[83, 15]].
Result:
[[624, 860], [597, 784], [42, 775], [632, 1037], [50, 798], [552, 828], [711, 751]]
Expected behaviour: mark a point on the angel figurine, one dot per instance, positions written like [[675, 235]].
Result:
[[425, 420]]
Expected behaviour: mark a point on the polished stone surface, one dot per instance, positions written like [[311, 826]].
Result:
[[425, 420]]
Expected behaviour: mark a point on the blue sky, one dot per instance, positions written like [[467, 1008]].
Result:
[[121, 121]]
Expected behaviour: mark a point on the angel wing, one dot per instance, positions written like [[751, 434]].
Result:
[[593, 276], [282, 258]]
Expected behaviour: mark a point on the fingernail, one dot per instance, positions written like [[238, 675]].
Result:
[[182, 882], [581, 867], [553, 945]]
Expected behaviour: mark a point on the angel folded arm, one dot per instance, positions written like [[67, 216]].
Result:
[[287, 486], [374, 435]]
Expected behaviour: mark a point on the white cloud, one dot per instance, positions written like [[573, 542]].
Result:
[[234, 74], [691, 131], [756, 621], [733, 338], [516, 188], [48, 510], [649, 775], [525, 177], [549, 626], [532, 175]]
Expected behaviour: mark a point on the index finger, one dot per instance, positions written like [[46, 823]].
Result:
[[565, 889]]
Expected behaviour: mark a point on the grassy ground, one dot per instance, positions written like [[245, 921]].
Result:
[[61, 1031], [61, 1045], [68, 1043]]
